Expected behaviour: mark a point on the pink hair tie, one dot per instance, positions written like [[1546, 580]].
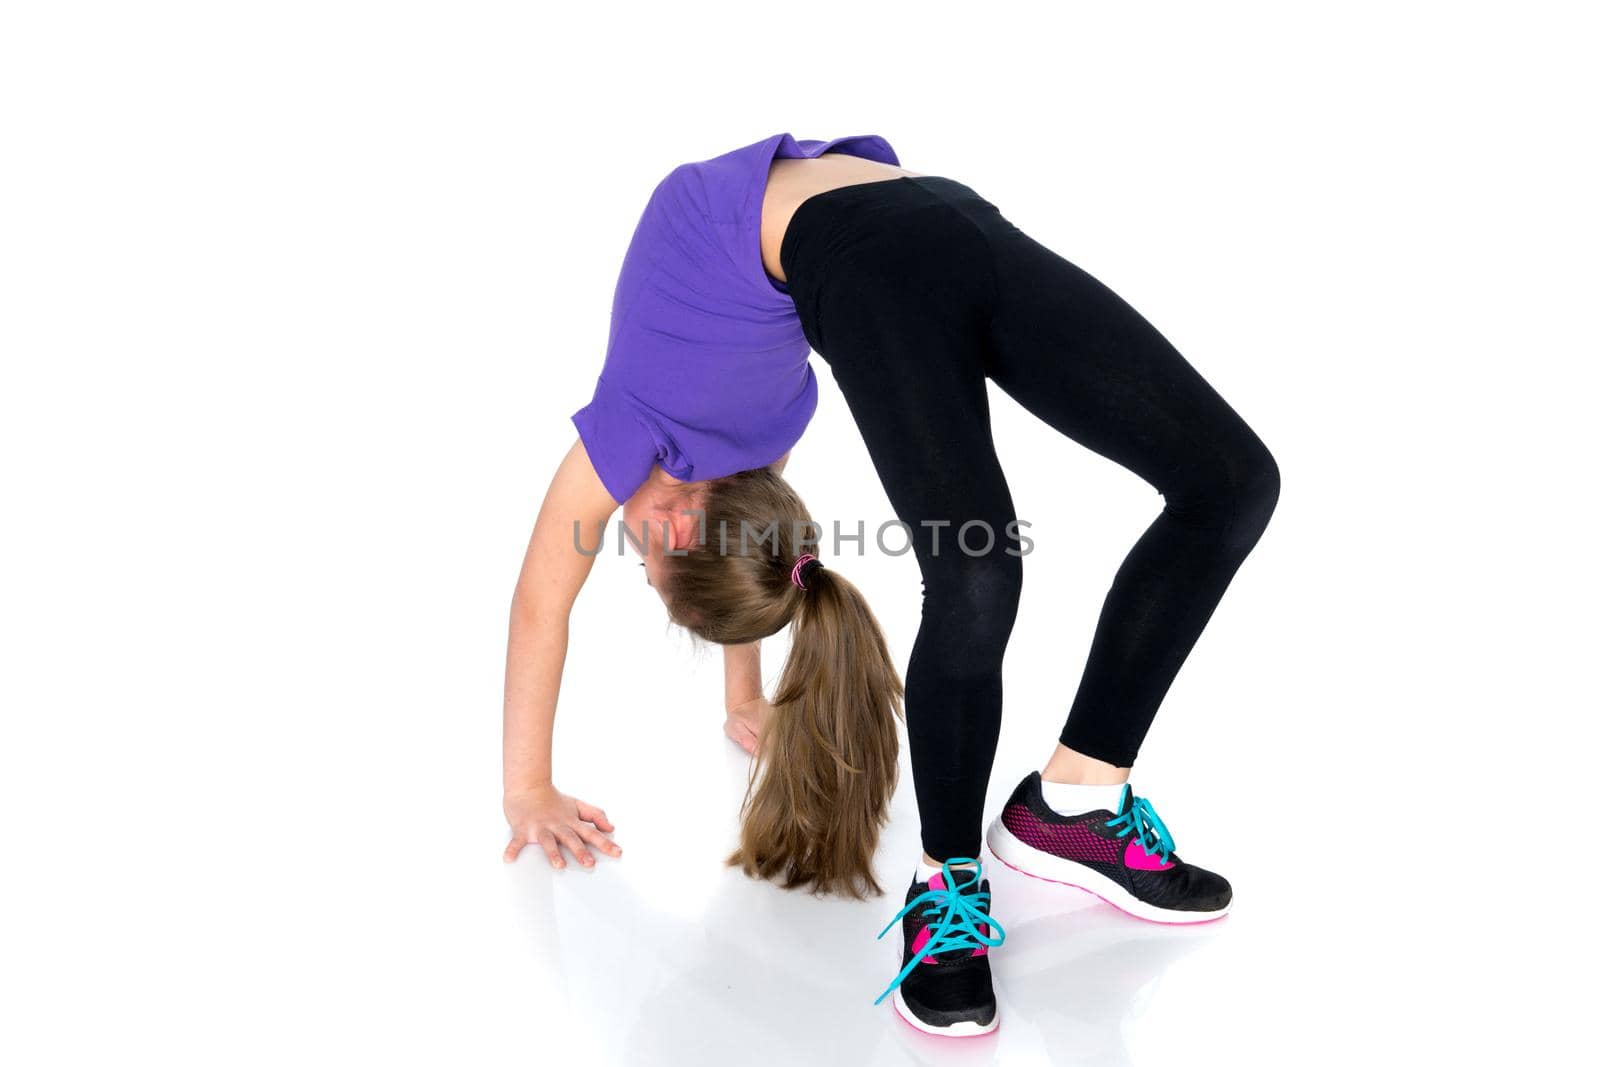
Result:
[[794, 574]]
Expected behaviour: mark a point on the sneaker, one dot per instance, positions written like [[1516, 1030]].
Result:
[[944, 986], [1124, 857]]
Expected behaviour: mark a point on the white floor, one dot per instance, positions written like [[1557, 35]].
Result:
[[666, 957], [340, 914]]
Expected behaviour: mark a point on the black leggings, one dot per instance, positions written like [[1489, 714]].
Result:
[[914, 290]]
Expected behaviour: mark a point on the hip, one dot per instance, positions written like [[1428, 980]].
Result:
[[920, 246]]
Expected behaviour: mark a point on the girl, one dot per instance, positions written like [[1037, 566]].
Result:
[[915, 290]]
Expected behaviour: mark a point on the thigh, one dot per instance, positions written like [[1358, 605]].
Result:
[[1078, 356], [917, 392]]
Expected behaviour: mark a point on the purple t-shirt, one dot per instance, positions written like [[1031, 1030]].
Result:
[[707, 370]]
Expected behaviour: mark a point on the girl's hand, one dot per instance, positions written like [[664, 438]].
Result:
[[547, 817], [745, 722]]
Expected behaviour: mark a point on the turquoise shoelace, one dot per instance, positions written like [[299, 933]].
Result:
[[957, 917], [1152, 834]]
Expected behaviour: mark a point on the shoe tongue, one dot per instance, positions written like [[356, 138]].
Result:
[[1127, 800], [963, 880]]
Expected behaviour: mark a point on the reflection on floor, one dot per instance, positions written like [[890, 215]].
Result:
[[669, 957]]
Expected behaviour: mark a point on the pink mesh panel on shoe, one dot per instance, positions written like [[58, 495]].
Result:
[[1073, 841]]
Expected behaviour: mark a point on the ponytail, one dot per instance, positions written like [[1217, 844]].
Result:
[[829, 753]]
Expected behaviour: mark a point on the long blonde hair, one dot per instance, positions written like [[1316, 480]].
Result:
[[828, 755]]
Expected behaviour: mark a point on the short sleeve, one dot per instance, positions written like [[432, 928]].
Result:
[[620, 446]]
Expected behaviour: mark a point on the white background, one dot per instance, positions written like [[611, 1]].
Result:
[[296, 298]]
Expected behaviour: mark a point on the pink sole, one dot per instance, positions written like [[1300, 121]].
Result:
[[925, 1033], [1103, 900]]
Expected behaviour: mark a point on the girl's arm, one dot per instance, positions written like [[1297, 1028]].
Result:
[[745, 704], [553, 570]]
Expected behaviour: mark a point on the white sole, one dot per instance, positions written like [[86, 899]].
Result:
[[958, 1030], [1025, 859]]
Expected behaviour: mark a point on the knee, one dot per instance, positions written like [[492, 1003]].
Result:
[[986, 587], [1254, 498], [1256, 495], [1235, 497], [972, 604]]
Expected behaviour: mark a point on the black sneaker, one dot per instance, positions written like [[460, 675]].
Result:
[[944, 986], [1124, 857]]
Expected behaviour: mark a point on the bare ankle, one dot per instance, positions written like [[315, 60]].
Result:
[[1074, 768]]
